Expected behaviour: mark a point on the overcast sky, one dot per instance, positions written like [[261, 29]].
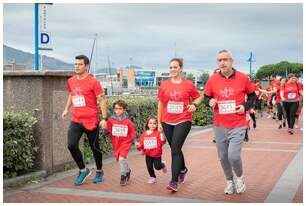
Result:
[[148, 35]]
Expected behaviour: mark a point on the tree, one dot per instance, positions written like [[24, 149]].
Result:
[[190, 76], [266, 71], [204, 77]]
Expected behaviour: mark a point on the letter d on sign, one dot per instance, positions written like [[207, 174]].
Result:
[[44, 38]]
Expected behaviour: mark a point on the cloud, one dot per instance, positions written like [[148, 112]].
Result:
[[152, 33]]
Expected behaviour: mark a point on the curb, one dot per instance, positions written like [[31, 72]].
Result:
[[202, 127], [24, 178]]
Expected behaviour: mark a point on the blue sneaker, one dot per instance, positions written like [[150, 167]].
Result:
[[82, 177], [99, 177]]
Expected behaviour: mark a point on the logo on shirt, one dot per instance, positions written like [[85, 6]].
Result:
[[176, 95], [226, 92]]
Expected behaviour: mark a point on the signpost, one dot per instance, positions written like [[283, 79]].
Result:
[[42, 35]]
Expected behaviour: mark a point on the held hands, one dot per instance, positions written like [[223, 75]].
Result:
[[212, 102], [240, 109], [102, 124], [191, 108], [160, 128], [137, 144]]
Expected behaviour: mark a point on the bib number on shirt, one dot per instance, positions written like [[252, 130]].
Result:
[[150, 143], [120, 130], [291, 95], [227, 107], [78, 101], [175, 107]]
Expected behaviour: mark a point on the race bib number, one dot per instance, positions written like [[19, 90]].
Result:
[[78, 101], [291, 95], [227, 107], [175, 107], [150, 143], [120, 130]]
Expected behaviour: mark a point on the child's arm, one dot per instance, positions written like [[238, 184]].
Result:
[[132, 133], [109, 127]]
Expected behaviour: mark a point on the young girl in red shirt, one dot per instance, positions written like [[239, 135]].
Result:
[[151, 143]]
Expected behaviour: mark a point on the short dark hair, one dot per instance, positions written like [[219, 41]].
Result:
[[120, 103], [179, 60], [85, 58], [291, 75]]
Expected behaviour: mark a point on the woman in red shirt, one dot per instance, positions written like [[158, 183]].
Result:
[[174, 116], [290, 95], [280, 110]]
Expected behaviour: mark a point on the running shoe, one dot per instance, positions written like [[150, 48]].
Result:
[[229, 189], [123, 180], [152, 180], [182, 176], [99, 177], [82, 177], [240, 185], [172, 186]]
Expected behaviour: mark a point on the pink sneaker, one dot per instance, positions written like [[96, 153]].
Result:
[[152, 180], [165, 168]]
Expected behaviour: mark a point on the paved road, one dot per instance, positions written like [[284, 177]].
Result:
[[272, 166]]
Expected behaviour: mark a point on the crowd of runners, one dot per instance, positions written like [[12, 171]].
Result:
[[231, 94]]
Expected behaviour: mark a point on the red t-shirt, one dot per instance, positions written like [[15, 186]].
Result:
[[175, 98], [269, 95], [278, 99], [274, 83], [122, 133], [257, 92], [151, 144], [84, 94], [229, 93], [291, 91]]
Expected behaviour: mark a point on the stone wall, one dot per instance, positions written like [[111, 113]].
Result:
[[43, 93]]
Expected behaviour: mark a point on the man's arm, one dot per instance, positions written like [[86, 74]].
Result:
[[67, 107], [250, 101], [102, 103]]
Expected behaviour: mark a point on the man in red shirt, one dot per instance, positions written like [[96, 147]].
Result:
[[225, 92], [84, 92]]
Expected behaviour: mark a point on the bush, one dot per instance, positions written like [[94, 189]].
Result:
[[18, 143], [140, 108]]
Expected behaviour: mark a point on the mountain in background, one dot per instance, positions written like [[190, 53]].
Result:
[[26, 58]]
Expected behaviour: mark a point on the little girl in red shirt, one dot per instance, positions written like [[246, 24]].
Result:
[[151, 143]]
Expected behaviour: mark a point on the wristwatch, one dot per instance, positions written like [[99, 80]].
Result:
[[104, 118]]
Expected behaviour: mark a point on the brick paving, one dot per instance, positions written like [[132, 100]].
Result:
[[265, 158]]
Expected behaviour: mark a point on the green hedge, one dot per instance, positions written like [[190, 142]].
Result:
[[18, 143], [140, 109]]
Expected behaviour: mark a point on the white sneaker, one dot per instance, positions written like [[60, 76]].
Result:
[[240, 185], [229, 189], [152, 180]]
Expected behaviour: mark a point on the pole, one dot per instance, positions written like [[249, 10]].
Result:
[[36, 55], [92, 50], [251, 63], [109, 72]]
